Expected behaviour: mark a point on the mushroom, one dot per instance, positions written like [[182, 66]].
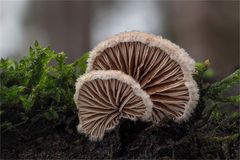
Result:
[[103, 97], [162, 69]]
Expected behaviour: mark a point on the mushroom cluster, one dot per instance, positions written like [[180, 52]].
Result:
[[135, 75]]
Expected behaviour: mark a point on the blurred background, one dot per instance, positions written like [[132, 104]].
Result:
[[205, 29]]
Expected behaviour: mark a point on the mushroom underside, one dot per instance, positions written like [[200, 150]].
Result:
[[159, 75], [101, 103]]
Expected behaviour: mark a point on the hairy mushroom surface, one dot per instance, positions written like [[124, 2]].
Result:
[[162, 69], [103, 97]]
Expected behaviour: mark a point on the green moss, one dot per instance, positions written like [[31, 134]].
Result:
[[40, 85]]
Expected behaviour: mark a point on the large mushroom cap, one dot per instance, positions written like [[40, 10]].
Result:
[[163, 70], [103, 97]]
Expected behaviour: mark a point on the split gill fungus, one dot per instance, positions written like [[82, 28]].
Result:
[[103, 97], [162, 70]]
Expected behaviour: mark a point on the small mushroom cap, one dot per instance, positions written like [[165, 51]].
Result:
[[103, 97], [163, 70]]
